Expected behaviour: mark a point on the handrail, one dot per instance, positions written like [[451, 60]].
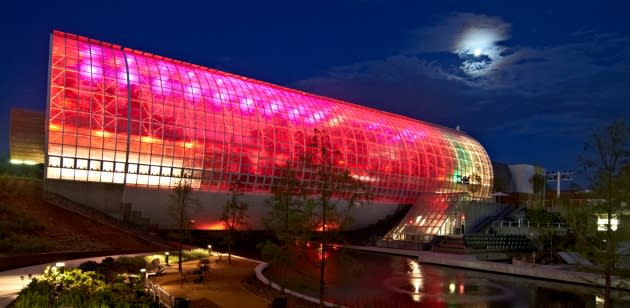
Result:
[[99, 217], [160, 296]]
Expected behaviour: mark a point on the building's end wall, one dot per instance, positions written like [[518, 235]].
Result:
[[26, 136]]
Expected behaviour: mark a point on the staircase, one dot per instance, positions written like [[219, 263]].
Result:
[[102, 218], [487, 222], [450, 244], [135, 218]]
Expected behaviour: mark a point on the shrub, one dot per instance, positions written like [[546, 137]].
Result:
[[20, 243], [76, 288], [36, 294], [88, 266], [194, 254], [129, 264]]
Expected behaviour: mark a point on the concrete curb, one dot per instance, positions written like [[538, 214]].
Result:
[[526, 270], [261, 267]]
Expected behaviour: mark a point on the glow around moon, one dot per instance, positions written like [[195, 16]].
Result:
[[479, 50]]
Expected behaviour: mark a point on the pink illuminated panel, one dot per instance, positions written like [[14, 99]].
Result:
[[123, 116]]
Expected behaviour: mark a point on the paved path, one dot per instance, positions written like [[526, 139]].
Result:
[[11, 282], [222, 286]]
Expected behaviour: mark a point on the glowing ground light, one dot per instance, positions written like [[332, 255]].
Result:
[[22, 162]]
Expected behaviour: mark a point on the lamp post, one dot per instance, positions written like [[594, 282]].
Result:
[[166, 254], [143, 276], [61, 266], [210, 250], [559, 176]]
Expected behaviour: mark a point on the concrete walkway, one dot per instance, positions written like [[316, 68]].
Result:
[[11, 281], [548, 272], [221, 287]]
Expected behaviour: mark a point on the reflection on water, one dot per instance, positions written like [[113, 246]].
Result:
[[374, 280], [415, 278], [442, 286]]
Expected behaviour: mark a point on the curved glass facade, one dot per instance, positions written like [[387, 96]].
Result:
[[118, 115]]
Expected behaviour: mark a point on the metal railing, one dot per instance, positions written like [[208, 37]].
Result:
[[160, 296], [527, 224]]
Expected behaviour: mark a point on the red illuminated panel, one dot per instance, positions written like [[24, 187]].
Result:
[[118, 115]]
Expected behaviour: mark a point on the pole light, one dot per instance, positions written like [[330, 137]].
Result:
[[143, 275], [61, 266], [166, 254], [210, 249], [559, 176]]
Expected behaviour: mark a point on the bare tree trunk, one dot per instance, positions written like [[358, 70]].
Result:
[[181, 238], [322, 262], [181, 249], [609, 259]]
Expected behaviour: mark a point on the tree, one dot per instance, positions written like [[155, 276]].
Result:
[[234, 216], [539, 184], [182, 203], [606, 160], [288, 210], [288, 217], [329, 185], [320, 199]]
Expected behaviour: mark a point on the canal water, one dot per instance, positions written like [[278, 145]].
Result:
[[378, 280]]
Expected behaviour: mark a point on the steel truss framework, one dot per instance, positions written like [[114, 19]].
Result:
[[118, 115]]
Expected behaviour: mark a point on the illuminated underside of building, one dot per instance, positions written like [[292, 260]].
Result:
[[126, 117]]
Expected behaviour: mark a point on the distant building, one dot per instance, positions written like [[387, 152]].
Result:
[[517, 181], [26, 136]]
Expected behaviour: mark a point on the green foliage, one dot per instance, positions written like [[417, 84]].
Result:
[[110, 269], [78, 288], [195, 254], [129, 264], [289, 211], [88, 266], [270, 252], [17, 231], [22, 243], [22, 171], [18, 224], [36, 294], [606, 162], [182, 204], [234, 217], [315, 203]]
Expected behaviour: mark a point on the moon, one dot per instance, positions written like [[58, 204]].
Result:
[[477, 52]]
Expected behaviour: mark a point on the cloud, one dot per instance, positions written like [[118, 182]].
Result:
[[534, 71], [567, 125], [447, 35], [475, 39], [525, 103], [582, 77], [488, 60]]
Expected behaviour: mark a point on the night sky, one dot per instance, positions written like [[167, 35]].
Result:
[[529, 80]]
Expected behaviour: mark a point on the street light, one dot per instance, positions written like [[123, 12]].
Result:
[[166, 254], [558, 176], [210, 249]]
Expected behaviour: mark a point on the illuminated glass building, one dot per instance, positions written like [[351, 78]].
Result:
[[122, 116]]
